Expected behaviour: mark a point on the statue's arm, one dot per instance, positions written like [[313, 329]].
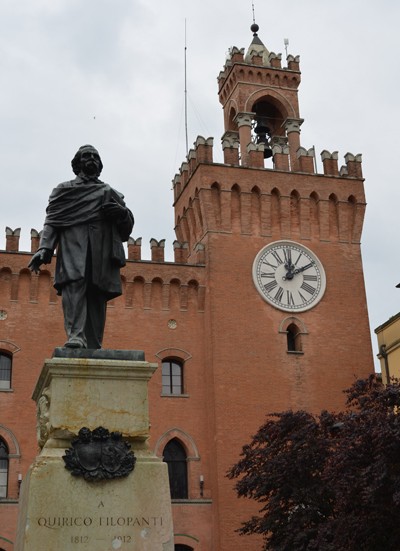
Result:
[[125, 225], [44, 254], [115, 209], [48, 238]]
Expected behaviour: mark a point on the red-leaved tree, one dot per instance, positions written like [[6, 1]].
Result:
[[329, 482]]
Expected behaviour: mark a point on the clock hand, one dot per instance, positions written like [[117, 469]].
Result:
[[303, 268]]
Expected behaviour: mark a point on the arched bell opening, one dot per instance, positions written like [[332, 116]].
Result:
[[231, 124], [268, 124]]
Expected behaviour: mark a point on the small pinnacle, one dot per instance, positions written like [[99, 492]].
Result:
[[254, 28]]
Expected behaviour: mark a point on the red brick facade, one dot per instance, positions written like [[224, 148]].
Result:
[[204, 309]]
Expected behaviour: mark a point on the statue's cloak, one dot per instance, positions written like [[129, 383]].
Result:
[[89, 245]]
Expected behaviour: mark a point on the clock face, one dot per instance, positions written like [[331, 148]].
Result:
[[289, 276]]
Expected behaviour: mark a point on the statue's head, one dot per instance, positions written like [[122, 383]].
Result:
[[87, 160]]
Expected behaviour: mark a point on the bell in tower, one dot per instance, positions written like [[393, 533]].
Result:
[[263, 132], [263, 126], [268, 124]]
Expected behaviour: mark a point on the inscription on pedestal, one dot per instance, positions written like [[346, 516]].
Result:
[[83, 531]]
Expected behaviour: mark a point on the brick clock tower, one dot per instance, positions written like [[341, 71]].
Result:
[[286, 315], [263, 308]]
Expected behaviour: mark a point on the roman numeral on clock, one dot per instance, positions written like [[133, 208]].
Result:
[[308, 288], [289, 298], [270, 286], [277, 257], [268, 275], [270, 265], [279, 294], [307, 277], [303, 299]]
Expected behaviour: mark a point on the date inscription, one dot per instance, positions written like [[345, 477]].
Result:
[[79, 539]]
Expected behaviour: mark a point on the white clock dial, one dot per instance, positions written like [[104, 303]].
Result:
[[289, 276]]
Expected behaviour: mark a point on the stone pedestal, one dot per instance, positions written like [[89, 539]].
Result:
[[63, 512]]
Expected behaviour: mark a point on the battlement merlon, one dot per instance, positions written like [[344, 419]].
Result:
[[135, 249], [306, 160], [353, 163], [330, 162], [176, 185], [157, 250], [230, 146], [35, 239]]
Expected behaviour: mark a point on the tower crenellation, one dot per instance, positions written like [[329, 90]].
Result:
[[293, 62], [353, 163], [204, 149], [330, 162], [230, 146], [275, 60], [135, 249], [306, 160], [176, 185], [281, 156], [184, 172], [180, 252], [192, 160], [35, 239], [255, 155], [157, 250], [12, 239], [236, 55]]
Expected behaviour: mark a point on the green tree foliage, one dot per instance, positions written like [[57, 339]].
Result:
[[329, 482]]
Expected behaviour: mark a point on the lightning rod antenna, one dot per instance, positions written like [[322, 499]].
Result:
[[186, 118], [286, 43], [252, 7]]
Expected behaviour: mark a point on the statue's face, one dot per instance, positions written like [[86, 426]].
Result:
[[90, 162]]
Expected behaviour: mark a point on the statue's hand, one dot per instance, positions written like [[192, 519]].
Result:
[[113, 210], [42, 256]]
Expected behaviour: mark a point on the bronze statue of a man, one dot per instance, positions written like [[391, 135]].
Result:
[[87, 221]]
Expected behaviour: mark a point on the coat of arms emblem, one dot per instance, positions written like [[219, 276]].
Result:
[[99, 455]]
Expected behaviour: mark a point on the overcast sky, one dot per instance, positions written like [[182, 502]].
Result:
[[111, 73]]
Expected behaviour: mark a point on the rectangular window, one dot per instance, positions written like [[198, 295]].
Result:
[[5, 372], [3, 477], [172, 377]]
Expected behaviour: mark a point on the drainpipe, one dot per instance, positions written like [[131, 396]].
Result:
[[384, 354]]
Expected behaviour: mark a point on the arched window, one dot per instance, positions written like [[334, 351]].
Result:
[[181, 547], [5, 370], [293, 338], [3, 469], [172, 376], [175, 457]]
